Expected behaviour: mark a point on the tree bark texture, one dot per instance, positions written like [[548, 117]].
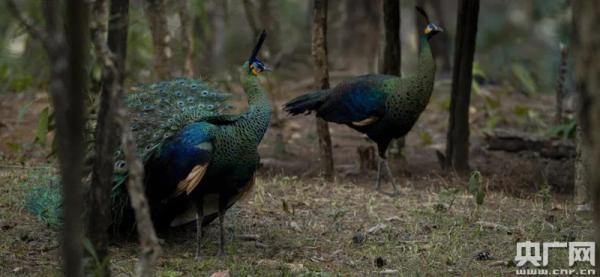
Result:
[[67, 87], [319, 52], [587, 70], [582, 171], [156, 12], [150, 249], [187, 39], [560, 84], [457, 143], [99, 219]]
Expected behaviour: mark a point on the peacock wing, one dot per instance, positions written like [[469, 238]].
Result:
[[359, 102]]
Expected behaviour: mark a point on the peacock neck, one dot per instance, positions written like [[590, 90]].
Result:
[[425, 74], [257, 118]]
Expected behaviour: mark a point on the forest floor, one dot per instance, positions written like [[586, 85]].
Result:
[[303, 225]]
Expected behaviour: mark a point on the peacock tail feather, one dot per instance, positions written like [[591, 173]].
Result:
[[156, 112]]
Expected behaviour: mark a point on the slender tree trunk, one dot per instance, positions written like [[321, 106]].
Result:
[[99, 219], [67, 88], [392, 53], [250, 17], [319, 52], [392, 58], [457, 144], [581, 190], [187, 40], [587, 69], [560, 84], [156, 12], [440, 44]]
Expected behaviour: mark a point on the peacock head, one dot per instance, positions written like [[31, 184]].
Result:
[[257, 67], [254, 65], [431, 29]]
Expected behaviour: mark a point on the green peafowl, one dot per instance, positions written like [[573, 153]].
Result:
[[194, 155], [383, 107]]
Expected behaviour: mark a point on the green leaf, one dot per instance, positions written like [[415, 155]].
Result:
[[15, 147], [42, 127], [285, 207], [491, 103], [492, 121], [474, 181], [23, 111], [525, 79], [87, 244], [476, 187], [425, 138], [477, 70], [520, 111]]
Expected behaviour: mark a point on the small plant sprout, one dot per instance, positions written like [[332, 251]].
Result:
[[476, 188]]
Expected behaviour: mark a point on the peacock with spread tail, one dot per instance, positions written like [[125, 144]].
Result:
[[383, 107], [195, 156]]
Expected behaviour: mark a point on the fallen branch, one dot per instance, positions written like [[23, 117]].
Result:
[[515, 141]]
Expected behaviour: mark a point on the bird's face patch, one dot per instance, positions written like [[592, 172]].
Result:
[[432, 29], [257, 67]]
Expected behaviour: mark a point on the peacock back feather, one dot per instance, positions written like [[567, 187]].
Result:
[[156, 112]]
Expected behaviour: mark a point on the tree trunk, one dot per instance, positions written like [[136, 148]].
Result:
[[582, 171], [457, 144], [250, 17], [156, 13], [560, 84], [587, 69], [187, 40], [440, 44], [67, 86], [392, 59], [392, 53], [99, 219], [319, 52]]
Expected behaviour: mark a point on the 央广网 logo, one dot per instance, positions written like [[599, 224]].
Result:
[[536, 255]]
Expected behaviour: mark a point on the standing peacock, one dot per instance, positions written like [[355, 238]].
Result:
[[382, 106], [194, 155]]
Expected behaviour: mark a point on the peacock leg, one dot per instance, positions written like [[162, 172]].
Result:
[[199, 220], [378, 180], [392, 180], [222, 233]]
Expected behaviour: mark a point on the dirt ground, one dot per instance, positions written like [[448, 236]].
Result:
[[302, 225]]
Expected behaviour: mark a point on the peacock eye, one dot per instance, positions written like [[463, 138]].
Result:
[[181, 82], [210, 106], [120, 165], [147, 107], [180, 104], [201, 106], [190, 99], [178, 93], [166, 135], [194, 86], [204, 93]]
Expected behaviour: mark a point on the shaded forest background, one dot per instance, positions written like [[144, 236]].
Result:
[[517, 43]]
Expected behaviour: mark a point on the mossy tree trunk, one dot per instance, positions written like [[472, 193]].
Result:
[[156, 13], [587, 70], [319, 52], [99, 197], [457, 143], [187, 39]]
